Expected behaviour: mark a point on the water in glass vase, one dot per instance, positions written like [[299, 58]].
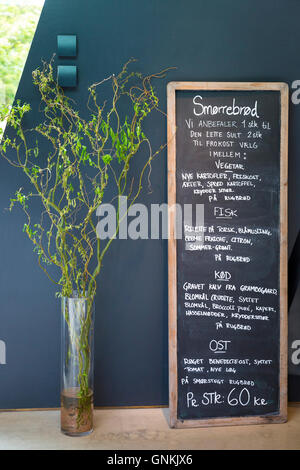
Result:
[[76, 412], [77, 366]]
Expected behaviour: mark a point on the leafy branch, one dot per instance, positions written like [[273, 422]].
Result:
[[86, 154]]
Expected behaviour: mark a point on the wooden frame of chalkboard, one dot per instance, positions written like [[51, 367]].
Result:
[[279, 416]]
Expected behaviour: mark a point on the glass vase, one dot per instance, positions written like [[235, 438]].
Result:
[[77, 369]]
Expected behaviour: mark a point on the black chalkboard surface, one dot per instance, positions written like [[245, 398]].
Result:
[[227, 184]]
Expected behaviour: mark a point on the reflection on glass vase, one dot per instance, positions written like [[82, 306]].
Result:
[[77, 369]]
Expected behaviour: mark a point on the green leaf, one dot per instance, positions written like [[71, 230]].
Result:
[[107, 159]]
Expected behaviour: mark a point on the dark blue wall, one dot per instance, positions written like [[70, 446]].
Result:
[[233, 40]]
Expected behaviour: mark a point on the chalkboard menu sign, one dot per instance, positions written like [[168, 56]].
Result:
[[227, 195]]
